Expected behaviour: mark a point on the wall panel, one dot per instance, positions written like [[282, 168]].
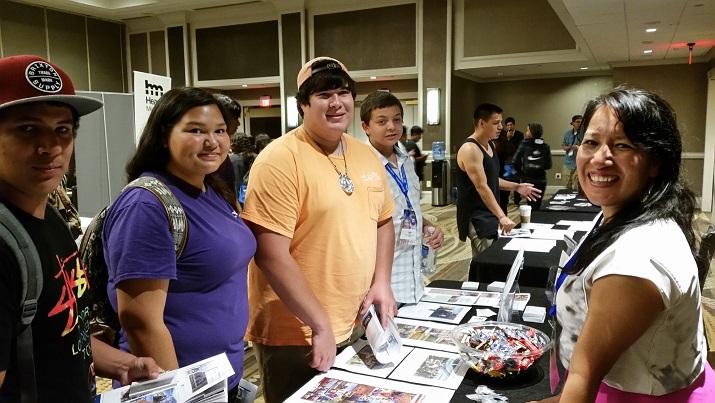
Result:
[[107, 65], [23, 29], [139, 52], [177, 64], [158, 53], [68, 46]]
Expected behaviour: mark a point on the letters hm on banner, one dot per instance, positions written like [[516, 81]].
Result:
[[148, 88]]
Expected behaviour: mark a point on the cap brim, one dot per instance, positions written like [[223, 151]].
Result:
[[82, 104]]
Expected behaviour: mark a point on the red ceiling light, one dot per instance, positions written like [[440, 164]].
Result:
[[690, 52]]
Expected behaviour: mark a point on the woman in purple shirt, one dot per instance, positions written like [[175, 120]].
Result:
[[180, 311]]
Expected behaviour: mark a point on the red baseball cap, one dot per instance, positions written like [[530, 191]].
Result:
[[28, 78], [307, 71]]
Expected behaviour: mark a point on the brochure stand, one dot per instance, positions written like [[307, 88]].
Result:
[[511, 288]]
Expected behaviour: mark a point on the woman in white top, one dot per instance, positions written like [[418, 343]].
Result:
[[629, 302]]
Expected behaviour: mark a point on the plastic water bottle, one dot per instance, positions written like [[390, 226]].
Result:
[[429, 256]]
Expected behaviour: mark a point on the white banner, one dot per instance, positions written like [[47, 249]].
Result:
[[148, 88]]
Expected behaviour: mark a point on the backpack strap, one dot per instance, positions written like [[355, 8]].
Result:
[[174, 211], [28, 261]]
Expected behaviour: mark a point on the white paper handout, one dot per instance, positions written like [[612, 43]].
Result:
[[360, 359], [530, 244], [555, 234], [341, 386], [385, 343], [437, 312], [423, 334], [536, 225], [516, 233], [180, 385], [451, 296], [434, 368]]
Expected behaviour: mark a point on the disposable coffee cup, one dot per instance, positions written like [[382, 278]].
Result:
[[525, 212]]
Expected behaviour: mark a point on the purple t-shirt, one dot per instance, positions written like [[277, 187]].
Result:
[[206, 308]]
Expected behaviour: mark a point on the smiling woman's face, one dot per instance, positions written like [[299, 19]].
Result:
[[198, 144], [612, 171]]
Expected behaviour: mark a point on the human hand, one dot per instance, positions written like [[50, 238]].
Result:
[[436, 239], [381, 296], [529, 191], [139, 368], [324, 349], [506, 225]]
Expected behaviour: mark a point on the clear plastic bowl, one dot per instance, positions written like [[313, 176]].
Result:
[[500, 349]]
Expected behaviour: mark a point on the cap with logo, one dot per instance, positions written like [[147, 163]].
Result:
[[307, 71], [27, 78]]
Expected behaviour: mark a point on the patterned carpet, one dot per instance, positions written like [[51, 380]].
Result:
[[453, 264]]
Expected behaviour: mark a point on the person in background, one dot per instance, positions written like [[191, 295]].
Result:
[[38, 125], [506, 145], [320, 207], [570, 144], [242, 156], [180, 311], [262, 140], [479, 216], [403, 139], [226, 170], [381, 116], [629, 300], [60, 200], [414, 151], [532, 159]]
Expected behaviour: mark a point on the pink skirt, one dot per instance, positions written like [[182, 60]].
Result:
[[702, 390]]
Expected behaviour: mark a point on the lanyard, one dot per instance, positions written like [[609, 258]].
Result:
[[568, 265], [401, 182]]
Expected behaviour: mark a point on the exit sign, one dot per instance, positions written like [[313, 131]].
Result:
[[265, 101]]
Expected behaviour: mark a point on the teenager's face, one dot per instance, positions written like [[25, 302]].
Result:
[[36, 144], [385, 127], [329, 114], [510, 126], [198, 144]]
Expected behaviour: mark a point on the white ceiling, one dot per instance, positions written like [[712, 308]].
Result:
[[607, 32]]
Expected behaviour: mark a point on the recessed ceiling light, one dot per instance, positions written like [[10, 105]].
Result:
[[584, 68], [500, 74], [244, 85], [649, 23], [647, 51], [651, 29], [373, 78], [647, 42]]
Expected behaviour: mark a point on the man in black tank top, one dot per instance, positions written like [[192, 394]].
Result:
[[479, 216]]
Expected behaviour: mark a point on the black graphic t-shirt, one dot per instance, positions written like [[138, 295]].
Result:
[[64, 370]]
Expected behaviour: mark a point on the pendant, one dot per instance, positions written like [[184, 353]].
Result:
[[346, 183]]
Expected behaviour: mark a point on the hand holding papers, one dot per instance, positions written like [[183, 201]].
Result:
[[204, 381], [385, 343]]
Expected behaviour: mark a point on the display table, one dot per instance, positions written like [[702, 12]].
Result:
[[532, 384], [493, 263]]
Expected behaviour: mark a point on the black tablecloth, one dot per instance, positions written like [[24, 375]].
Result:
[[493, 263], [579, 204], [532, 384]]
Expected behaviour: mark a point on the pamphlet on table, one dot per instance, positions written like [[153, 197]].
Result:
[[360, 359], [419, 333], [436, 312], [341, 386], [430, 367]]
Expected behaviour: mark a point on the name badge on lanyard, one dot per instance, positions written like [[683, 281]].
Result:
[[408, 224]]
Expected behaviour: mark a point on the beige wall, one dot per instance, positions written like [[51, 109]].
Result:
[[90, 50], [685, 88]]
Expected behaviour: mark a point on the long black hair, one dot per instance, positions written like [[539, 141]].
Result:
[[152, 155], [649, 123]]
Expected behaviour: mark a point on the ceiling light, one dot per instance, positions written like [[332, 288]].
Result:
[[500, 74], [584, 68], [647, 51], [244, 85], [651, 29], [373, 78]]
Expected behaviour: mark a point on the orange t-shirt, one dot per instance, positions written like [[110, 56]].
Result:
[[294, 192]]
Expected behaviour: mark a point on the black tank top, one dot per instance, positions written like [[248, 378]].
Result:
[[470, 206]]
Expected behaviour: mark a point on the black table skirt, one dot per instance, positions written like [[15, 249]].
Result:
[[532, 384]]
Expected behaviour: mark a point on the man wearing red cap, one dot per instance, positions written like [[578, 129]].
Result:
[[320, 207], [39, 116]]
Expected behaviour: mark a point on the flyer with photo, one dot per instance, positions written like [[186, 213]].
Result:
[[341, 386], [436, 312], [360, 359], [419, 333], [385, 342], [430, 367]]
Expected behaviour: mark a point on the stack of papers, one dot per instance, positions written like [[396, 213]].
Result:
[[535, 314]]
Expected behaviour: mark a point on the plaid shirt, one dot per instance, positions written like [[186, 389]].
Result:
[[407, 285]]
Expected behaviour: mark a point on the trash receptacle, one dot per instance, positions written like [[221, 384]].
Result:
[[440, 185]]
